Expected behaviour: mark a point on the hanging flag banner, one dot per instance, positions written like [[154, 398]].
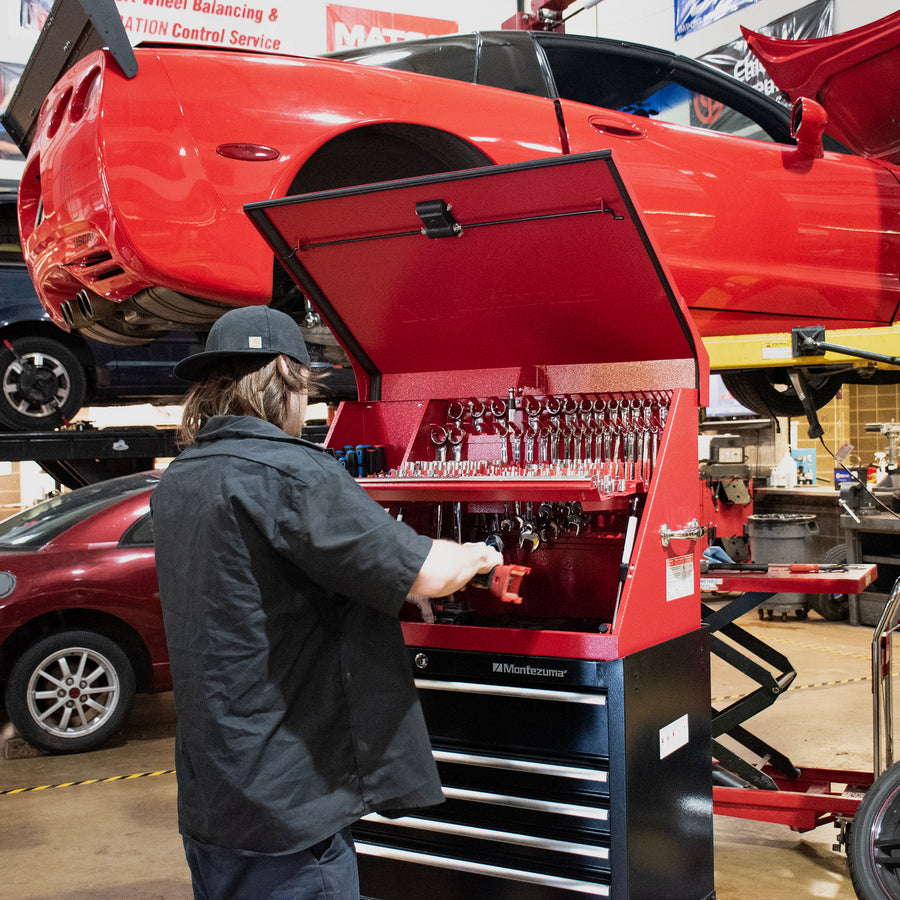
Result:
[[812, 21], [692, 15], [349, 26]]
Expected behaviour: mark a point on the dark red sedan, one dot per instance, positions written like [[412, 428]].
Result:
[[81, 627]]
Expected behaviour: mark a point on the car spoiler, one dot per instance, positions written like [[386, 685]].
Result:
[[72, 30]]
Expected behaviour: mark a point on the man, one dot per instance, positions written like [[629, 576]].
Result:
[[281, 582]]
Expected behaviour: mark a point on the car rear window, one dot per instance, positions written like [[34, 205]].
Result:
[[452, 58], [40, 524]]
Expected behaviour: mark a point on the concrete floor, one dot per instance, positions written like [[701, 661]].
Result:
[[93, 834]]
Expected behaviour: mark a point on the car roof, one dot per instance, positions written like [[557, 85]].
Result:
[[40, 524]]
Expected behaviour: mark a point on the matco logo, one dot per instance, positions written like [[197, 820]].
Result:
[[512, 669]]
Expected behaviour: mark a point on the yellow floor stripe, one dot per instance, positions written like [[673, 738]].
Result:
[[820, 648], [800, 687], [53, 787]]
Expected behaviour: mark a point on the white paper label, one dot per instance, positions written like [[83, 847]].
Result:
[[679, 577], [673, 736]]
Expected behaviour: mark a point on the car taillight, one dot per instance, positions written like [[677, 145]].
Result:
[[59, 112]]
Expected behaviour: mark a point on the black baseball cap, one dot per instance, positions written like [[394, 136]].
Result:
[[246, 332]]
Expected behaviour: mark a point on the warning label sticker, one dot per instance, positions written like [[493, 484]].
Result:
[[679, 577]]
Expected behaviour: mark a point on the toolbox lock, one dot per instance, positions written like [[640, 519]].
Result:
[[693, 531]]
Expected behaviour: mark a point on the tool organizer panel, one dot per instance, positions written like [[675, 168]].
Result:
[[528, 376], [560, 484]]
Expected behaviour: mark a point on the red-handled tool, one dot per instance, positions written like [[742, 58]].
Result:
[[503, 582]]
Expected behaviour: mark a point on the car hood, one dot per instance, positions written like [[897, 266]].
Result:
[[852, 74]]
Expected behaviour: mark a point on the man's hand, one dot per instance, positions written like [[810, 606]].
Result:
[[449, 567]]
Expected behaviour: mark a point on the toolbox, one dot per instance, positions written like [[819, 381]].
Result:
[[528, 375]]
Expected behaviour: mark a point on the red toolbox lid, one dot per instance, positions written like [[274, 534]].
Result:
[[534, 265]]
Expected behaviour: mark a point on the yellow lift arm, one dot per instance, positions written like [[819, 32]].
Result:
[[756, 351]]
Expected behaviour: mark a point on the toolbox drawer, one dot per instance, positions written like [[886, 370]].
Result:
[[597, 786]]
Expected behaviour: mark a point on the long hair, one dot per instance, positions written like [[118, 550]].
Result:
[[243, 388]]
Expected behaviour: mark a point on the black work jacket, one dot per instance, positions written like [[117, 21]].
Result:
[[281, 582]]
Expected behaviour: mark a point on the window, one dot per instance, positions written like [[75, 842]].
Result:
[[447, 57], [652, 85], [140, 534]]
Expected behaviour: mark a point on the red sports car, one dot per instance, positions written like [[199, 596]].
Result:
[[137, 172], [81, 626]]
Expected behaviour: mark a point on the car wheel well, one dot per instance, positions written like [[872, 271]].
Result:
[[369, 154], [384, 151], [109, 626]]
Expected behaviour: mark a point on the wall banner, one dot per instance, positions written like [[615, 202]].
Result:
[[692, 15], [349, 26], [812, 21]]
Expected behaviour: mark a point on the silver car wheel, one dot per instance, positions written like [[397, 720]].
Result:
[[73, 692]]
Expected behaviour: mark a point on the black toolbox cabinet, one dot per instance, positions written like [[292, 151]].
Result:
[[553, 788]]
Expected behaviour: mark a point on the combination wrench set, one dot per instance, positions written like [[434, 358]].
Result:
[[612, 440], [607, 442]]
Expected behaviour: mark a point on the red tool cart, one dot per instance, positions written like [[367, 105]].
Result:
[[528, 375]]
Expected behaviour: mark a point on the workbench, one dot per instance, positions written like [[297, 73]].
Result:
[[875, 538]]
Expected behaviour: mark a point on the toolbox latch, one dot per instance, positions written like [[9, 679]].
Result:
[[437, 219]]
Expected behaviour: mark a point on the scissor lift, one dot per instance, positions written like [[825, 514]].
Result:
[[865, 806]]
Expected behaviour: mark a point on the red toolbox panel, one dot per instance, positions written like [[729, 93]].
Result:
[[527, 365]]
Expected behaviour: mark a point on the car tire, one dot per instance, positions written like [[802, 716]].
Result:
[[872, 855], [833, 607], [42, 384], [769, 392], [70, 691]]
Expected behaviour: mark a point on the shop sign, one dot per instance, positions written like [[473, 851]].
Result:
[[349, 26], [275, 27]]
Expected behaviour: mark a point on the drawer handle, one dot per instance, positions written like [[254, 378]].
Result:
[[693, 531]]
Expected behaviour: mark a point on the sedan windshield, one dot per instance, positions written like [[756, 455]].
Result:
[[40, 524]]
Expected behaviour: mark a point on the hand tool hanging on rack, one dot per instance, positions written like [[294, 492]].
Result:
[[439, 439]]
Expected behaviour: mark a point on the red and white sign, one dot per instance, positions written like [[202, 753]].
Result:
[[349, 26]]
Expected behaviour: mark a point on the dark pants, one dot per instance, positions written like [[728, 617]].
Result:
[[326, 871]]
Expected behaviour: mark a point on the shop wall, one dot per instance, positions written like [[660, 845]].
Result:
[[844, 421]]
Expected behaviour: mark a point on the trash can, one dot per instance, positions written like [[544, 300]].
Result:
[[782, 538]]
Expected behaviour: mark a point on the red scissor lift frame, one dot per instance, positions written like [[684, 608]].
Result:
[[802, 798]]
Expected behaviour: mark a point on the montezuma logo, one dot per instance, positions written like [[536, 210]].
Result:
[[502, 668]]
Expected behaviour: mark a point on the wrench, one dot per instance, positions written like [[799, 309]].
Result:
[[476, 411], [439, 439], [455, 413]]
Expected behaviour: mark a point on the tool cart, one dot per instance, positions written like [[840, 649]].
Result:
[[528, 376]]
